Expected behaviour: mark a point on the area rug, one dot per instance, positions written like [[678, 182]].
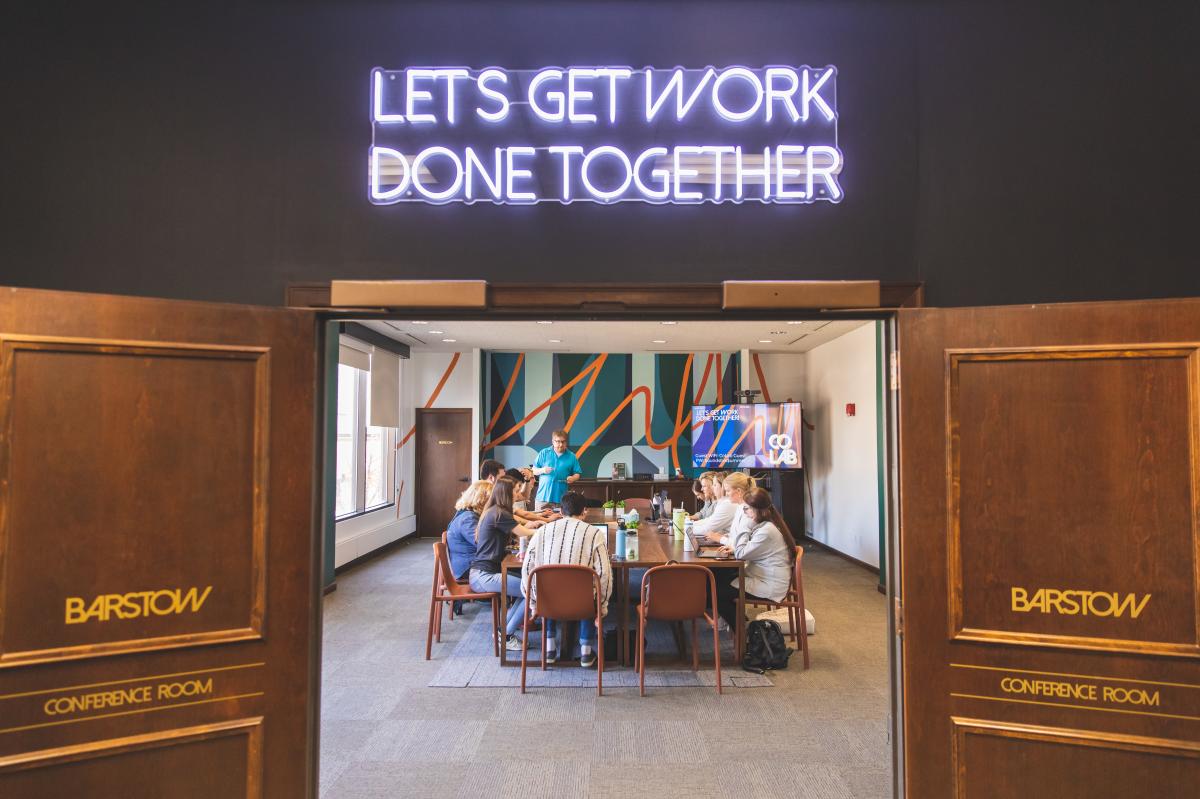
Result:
[[471, 663]]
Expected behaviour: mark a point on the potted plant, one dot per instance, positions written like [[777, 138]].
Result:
[[620, 509], [610, 509]]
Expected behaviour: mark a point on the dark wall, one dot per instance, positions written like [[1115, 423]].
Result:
[[999, 152]]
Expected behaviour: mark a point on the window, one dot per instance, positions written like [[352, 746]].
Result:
[[366, 468]]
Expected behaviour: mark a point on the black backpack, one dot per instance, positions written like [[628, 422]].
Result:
[[765, 647]]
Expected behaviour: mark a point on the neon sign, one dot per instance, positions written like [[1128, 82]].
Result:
[[604, 134]]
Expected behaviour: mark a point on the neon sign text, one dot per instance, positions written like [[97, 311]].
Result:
[[604, 134]]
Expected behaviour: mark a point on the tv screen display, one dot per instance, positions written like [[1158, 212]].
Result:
[[759, 436]]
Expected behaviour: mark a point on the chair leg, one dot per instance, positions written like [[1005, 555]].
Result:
[[495, 624], [524, 645], [717, 654], [803, 640], [599, 653], [545, 624], [641, 649], [429, 633], [695, 648], [437, 623]]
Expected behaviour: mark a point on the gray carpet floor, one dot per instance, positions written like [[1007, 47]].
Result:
[[820, 733]]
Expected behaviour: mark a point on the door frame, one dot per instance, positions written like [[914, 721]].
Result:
[[680, 302]]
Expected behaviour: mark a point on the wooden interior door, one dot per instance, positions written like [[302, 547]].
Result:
[[443, 465], [1050, 545], [158, 564]]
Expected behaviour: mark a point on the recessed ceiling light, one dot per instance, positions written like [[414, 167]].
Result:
[[795, 323], [545, 322], [764, 341], [436, 332], [670, 323], [659, 341], [420, 323], [555, 341], [449, 340]]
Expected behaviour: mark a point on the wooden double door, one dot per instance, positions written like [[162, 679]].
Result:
[[1050, 552], [159, 580], [159, 601]]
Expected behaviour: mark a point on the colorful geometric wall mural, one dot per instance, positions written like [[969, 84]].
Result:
[[631, 408]]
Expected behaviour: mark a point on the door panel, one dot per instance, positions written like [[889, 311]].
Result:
[[156, 547], [443, 458], [1050, 544]]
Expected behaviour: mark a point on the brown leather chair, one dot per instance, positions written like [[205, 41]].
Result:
[[794, 602], [643, 507], [674, 593], [450, 590], [565, 592]]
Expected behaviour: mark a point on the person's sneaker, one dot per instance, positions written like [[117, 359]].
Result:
[[551, 653], [513, 644], [587, 659]]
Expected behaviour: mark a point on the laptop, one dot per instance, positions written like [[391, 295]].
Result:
[[704, 550]]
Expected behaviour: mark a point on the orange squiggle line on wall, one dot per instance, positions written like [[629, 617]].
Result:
[[433, 397], [579, 405], [512, 382], [594, 365], [704, 380], [681, 425], [720, 381], [762, 381]]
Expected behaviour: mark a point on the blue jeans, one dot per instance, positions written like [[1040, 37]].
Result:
[[482, 582], [587, 632]]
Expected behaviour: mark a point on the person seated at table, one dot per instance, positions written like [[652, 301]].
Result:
[[735, 485], [702, 489], [574, 541], [522, 489], [496, 525], [460, 533], [722, 517], [767, 547], [492, 470]]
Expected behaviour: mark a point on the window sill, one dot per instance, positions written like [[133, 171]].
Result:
[[356, 514]]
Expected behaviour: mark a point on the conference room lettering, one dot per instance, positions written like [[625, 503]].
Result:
[[1066, 602], [604, 134], [1080, 692], [136, 604], [127, 697]]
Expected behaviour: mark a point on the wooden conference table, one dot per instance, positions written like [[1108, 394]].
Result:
[[656, 546]]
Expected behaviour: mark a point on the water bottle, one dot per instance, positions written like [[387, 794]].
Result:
[[619, 549], [679, 523]]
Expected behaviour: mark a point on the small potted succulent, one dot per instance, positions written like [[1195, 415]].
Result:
[[610, 509]]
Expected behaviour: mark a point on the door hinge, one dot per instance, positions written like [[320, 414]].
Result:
[[898, 616], [894, 370]]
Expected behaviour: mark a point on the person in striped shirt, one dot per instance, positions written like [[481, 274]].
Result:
[[571, 540]]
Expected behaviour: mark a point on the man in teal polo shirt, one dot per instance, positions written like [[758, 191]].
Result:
[[556, 468]]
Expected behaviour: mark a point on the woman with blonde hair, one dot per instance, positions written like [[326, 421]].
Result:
[[460, 533], [735, 485], [767, 547], [722, 518]]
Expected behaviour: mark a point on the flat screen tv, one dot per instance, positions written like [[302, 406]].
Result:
[[765, 435]]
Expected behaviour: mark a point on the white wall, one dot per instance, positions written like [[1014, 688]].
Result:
[[842, 452], [419, 376]]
